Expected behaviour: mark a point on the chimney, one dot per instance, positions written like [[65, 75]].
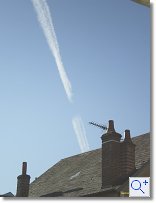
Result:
[[127, 156], [118, 158], [111, 126], [23, 182], [127, 136], [110, 156]]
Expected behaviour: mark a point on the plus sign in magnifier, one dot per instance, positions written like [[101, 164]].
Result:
[[139, 187]]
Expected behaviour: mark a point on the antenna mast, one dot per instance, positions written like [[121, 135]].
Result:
[[98, 125]]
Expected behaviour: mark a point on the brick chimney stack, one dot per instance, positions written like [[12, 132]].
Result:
[[127, 156], [118, 158], [110, 156], [23, 182]]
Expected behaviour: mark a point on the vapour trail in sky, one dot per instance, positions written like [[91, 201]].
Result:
[[45, 21], [80, 133]]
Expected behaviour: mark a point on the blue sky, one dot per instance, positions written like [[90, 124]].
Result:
[[105, 49]]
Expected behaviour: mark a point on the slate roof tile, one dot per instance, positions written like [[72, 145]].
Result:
[[88, 165]]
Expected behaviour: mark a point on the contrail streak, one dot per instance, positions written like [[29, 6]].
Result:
[[80, 133], [45, 21]]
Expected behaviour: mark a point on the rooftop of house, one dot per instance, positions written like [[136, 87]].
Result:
[[143, 2], [9, 194], [81, 174]]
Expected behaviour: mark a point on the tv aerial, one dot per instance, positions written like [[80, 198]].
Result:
[[103, 127]]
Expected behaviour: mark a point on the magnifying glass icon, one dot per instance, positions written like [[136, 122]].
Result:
[[136, 185]]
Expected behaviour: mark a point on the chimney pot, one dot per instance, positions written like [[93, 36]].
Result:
[[24, 168], [127, 135], [111, 126]]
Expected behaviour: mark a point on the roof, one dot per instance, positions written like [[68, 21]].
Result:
[[9, 194], [141, 172], [143, 2], [80, 175]]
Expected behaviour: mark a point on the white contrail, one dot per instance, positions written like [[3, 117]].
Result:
[[45, 21], [80, 133]]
